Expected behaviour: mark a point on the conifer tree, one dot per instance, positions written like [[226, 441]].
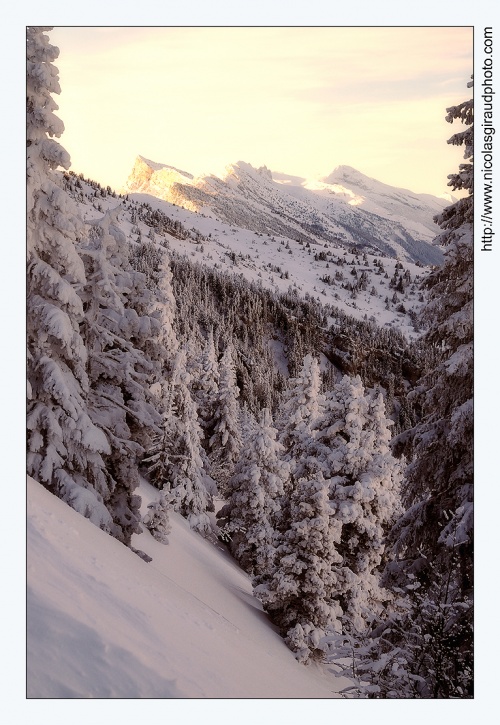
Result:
[[438, 521], [157, 459], [254, 492], [344, 498], [424, 648], [157, 520], [352, 452], [206, 384], [168, 306], [176, 460], [65, 447], [121, 339], [299, 412], [299, 591], [225, 442]]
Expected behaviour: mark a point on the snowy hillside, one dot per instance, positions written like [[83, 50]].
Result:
[[414, 211], [239, 371], [363, 285], [102, 623], [345, 209]]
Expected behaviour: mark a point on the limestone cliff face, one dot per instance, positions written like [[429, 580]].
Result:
[[164, 182], [138, 180]]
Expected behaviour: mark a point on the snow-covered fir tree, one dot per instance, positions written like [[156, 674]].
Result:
[[351, 449], [255, 490], [423, 646], [308, 509], [122, 343], [65, 447], [206, 385], [153, 261], [225, 441], [166, 310], [298, 414], [439, 480], [344, 498], [157, 459], [249, 424], [299, 592], [176, 459]]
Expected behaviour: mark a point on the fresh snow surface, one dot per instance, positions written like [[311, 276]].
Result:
[[259, 256], [102, 623], [344, 208]]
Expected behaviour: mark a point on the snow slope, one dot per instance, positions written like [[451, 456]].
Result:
[[278, 263], [357, 212], [415, 211], [102, 623]]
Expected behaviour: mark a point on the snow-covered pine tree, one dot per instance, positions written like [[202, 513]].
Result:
[[249, 424], [431, 544], [165, 312], [225, 441], [64, 446], [299, 412], [352, 453], [439, 488], [300, 409], [153, 261], [254, 492], [299, 592], [157, 459], [176, 460], [122, 344], [344, 499], [206, 385]]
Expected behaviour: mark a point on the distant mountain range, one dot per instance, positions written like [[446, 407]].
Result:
[[346, 208]]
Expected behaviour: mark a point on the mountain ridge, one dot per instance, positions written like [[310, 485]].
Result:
[[371, 216]]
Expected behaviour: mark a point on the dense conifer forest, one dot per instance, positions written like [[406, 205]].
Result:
[[332, 456]]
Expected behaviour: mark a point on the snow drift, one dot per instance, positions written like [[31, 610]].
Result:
[[102, 623]]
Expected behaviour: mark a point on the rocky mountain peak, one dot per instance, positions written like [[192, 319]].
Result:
[[346, 208]]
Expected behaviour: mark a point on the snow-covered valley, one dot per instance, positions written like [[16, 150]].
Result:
[[249, 431]]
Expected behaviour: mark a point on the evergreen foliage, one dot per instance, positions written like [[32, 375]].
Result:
[[255, 489], [300, 410], [421, 650], [225, 442], [438, 490], [344, 496], [299, 593], [157, 520], [137, 355], [253, 316], [206, 386], [176, 459], [65, 447], [352, 451], [424, 648], [121, 338]]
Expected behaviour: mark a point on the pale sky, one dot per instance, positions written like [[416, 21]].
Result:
[[299, 100]]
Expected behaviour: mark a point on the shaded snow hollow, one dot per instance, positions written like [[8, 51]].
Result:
[[102, 623]]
